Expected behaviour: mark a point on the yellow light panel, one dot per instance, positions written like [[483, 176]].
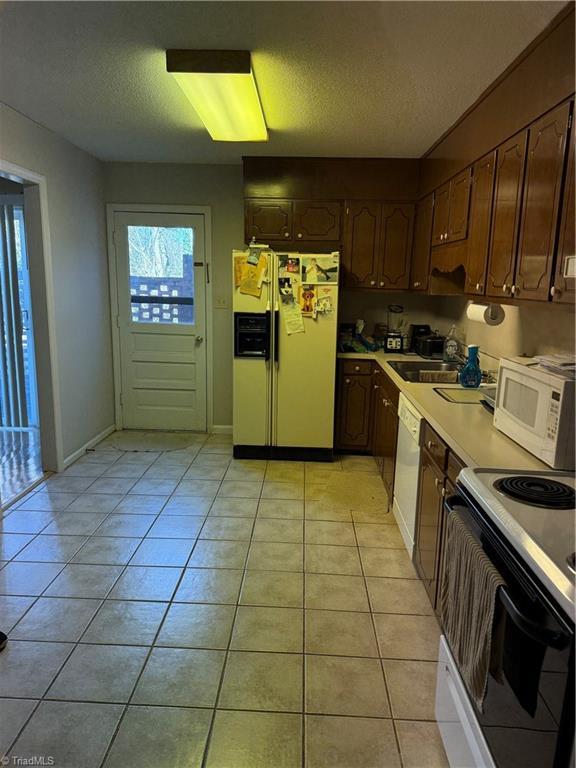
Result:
[[227, 104]]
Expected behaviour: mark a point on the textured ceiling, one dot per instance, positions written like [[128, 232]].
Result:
[[336, 78]]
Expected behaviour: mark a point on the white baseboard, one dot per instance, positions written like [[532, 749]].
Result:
[[86, 447], [222, 429]]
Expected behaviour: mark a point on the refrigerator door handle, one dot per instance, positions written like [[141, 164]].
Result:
[[268, 336], [276, 335]]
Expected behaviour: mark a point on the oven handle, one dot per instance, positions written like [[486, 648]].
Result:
[[535, 631]]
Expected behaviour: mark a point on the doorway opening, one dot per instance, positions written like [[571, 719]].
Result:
[[160, 291], [20, 445]]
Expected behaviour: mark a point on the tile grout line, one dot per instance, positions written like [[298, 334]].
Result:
[[149, 653], [208, 742], [396, 739]]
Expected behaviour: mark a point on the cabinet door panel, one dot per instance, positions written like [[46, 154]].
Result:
[[396, 246], [428, 524], [354, 395], [541, 202], [480, 218], [565, 286], [506, 214], [441, 214], [362, 243], [268, 220], [422, 243], [459, 205], [314, 220]]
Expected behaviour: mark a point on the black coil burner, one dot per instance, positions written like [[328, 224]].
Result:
[[537, 491]]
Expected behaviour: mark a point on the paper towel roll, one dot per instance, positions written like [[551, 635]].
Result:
[[489, 314]]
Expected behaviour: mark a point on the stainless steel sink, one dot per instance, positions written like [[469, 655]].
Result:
[[410, 370]]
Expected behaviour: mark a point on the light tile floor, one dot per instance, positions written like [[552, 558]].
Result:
[[171, 609]]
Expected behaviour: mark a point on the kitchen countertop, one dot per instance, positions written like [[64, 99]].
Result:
[[466, 428]]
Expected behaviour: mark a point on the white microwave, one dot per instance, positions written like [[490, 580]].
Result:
[[536, 409]]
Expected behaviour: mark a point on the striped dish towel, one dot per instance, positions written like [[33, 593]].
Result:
[[467, 604]]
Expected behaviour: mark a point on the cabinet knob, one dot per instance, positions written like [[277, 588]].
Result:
[[514, 290], [286, 234], [477, 286], [356, 367], [505, 288], [442, 236], [372, 282], [416, 284], [431, 445], [346, 381], [376, 386], [300, 235], [385, 402], [381, 283], [554, 291], [436, 482]]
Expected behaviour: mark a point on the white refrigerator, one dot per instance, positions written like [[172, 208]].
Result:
[[285, 338]]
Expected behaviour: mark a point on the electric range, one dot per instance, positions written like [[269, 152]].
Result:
[[536, 512]]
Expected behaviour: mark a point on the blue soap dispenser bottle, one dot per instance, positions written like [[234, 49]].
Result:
[[471, 375]]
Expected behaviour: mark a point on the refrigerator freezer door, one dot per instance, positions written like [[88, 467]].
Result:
[[251, 413], [251, 376], [304, 390]]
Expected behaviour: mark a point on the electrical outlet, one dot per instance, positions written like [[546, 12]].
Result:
[[221, 302]]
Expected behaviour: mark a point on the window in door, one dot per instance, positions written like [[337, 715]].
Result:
[[161, 265]]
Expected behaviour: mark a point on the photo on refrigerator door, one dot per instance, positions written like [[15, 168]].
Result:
[[289, 266], [308, 297], [320, 269]]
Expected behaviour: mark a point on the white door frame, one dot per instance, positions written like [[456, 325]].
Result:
[[39, 249], [111, 210]]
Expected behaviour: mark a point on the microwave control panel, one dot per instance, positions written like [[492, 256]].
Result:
[[553, 410]]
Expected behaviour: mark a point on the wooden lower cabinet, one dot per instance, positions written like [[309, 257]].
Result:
[[367, 416], [353, 411], [428, 523], [439, 469]]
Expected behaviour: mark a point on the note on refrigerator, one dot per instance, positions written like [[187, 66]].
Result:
[[289, 307], [253, 273], [239, 262]]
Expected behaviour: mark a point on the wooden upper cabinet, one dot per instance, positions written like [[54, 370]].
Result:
[[421, 245], [361, 254], [396, 246], [451, 203], [541, 203], [314, 220], [510, 160], [268, 220], [480, 217], [458, 208], [441, 214], [564, 287]]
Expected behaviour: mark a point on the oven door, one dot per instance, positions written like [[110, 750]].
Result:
[[528, 717]]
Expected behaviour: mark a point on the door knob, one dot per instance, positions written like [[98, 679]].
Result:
[[199, 339]]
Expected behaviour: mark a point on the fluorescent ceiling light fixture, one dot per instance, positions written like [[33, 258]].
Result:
[[220, 86]]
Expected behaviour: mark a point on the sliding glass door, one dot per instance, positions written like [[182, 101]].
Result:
[[20, 462]]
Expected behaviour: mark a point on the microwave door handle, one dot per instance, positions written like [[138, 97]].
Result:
[[535, 631]]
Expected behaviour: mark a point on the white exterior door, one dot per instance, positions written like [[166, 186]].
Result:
[[161, 274]]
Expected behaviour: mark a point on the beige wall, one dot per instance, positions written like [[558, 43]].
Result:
[[220, 187], [80, 272]]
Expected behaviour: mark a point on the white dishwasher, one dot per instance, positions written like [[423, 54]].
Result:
[[406, 473]]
